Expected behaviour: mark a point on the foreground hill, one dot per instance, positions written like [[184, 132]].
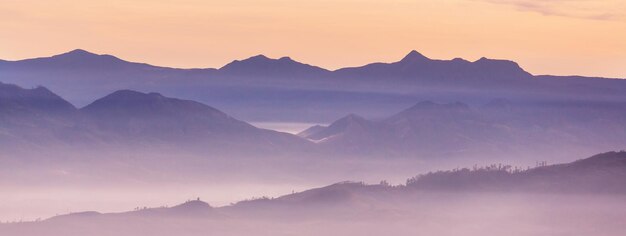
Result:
[[584, 196], [602, 173]]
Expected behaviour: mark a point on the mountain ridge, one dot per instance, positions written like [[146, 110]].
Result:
[[128, 117], [261, 65], [504, 128], [412, 56]]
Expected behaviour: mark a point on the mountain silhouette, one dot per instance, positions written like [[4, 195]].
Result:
[[38, 116], [500, 128], [189, 209], [36, 100], [262, 66], [81, 77], [418, 67], [33, 116], [136, 112], [80, 59]]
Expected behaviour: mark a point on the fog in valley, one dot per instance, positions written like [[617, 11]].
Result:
[[95, 145], [421, 213], [582, 197]]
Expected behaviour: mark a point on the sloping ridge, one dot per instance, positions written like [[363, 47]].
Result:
[[79, 59], [127, 117], [600, 174], [189, 209], [154, 115]]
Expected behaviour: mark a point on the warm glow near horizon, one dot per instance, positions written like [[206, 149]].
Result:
[[560, 37]]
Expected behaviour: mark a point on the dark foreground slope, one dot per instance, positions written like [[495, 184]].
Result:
[[585, 197], [602, 173]]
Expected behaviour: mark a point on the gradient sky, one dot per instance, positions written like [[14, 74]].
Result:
[[586, 37]]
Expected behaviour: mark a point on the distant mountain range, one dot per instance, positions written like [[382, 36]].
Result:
[[414, 65], [264, 89], [419, 67]]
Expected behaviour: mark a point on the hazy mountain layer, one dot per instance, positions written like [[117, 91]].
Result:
[[38, 117], [281, 90], [499, 128]]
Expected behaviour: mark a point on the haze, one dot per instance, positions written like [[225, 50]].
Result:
[[190, 117]]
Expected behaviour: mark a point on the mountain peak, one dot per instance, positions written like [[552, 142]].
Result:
[[259, 57], [484, 60], [262, 66], [414, 56], [126, 93], [193, 205], [79, 58], [501, 68], [77, 53], [262, 59], [127, 98], [154, 116], [80, 51], [38, 98]]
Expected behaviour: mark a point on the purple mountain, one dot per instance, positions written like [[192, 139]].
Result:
[[264, 67], [429, 128], [260, 88], [78, 60], [417, 66], [126, 117]]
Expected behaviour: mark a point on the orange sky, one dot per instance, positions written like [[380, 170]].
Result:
[[586, 37]]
